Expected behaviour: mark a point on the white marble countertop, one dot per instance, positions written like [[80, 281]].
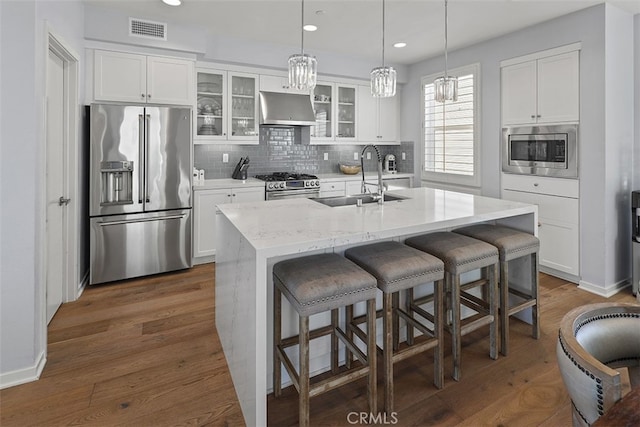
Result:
[[300, 225], [212, 184]]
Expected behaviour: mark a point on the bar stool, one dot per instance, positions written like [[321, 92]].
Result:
[[462, 254], [398, 267], [511, 244], [314, 284]]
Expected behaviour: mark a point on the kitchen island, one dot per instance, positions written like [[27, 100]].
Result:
[[252, 237]]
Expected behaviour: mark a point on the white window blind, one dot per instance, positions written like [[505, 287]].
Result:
[[450, 131]]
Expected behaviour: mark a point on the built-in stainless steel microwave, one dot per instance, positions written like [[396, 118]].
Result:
[[541, 150]]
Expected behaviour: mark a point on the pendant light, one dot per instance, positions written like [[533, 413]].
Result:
[[446, 87], [303, 68], [383, 79]]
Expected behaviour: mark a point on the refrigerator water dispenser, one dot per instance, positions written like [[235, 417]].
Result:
[[117, 183]]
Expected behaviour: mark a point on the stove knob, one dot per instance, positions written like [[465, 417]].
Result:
[[307, 184], [317, 183], [282, 185], [269, 186]]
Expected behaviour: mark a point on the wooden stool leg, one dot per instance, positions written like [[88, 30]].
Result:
[[372, 349], [303, 379], [454, 281], [504, 307], [387, 352], [409, 311], [493, 310], [277, 339], [348, 315], [438, 318], [396, 320], [334, 341], [535, 293]]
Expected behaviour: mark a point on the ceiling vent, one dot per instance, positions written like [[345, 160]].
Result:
[[147, 29]]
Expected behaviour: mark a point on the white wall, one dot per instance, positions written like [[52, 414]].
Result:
[[619, 127], [22, 83], [585, 26], [604, 144]]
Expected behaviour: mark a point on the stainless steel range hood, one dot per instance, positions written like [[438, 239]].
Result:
[[286, 109]]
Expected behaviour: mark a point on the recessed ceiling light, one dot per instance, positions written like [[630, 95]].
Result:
[[399, 44], [309, 27], [172, 2]]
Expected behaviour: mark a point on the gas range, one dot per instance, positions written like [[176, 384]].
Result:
[[280, 185]]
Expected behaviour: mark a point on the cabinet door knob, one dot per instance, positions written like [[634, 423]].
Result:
[[539, 224], [148, 95], [533, 116], [539, 116], [535, 184], [142, 95]]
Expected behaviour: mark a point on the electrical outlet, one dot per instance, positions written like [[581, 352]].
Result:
[[404, 156], [368, 156], [355, 156], [326, 156], [225, 157]]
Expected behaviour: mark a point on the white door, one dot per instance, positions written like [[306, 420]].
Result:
[[55, 170]]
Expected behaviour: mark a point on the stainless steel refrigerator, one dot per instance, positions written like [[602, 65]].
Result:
[[139, 191]]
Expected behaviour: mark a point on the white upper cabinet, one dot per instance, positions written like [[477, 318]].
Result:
[[544, 90], [324, 108], [127, 77], [226, 108], [377, 117]]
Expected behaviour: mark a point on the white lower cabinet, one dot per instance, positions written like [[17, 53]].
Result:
[[558, 226], [204, 214]]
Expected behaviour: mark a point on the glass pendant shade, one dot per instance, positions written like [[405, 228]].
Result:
[[303, 71], [383, 82], [446, 89]]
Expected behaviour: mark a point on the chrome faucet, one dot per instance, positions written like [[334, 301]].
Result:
[[380, 195]]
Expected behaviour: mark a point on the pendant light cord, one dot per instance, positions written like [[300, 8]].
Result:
[[446, 20], [302, 29], [382, 33]]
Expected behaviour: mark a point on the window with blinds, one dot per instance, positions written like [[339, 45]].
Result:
[[450, 142]]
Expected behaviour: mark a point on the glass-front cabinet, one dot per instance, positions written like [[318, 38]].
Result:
[[244, 105], [211, 106], [323, 106], [346, 113], [336, 113], [227, 107]]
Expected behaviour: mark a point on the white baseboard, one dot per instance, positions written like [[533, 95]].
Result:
[[604, 292], [24, 375], [204, 260], [556, 273]]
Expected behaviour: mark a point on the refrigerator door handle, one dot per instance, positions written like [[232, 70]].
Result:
[[131, 221], [141, 164], [147, 120]]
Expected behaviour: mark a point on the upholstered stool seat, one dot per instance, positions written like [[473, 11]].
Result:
[[511, 244], [462, 254], [398, 267], [314, 284]]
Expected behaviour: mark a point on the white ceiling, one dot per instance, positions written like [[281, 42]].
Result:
[[353, 27]]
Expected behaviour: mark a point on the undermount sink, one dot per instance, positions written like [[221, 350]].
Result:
[[353, 200]]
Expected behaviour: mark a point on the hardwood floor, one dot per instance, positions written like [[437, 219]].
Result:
[[145, 353]]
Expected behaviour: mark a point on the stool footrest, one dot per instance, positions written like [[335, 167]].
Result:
[[291, 370], [519, 307], [472, 323], [352, 347], [337, 381], [474, 303], [419, 326], [316, 333], [474, 284]]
